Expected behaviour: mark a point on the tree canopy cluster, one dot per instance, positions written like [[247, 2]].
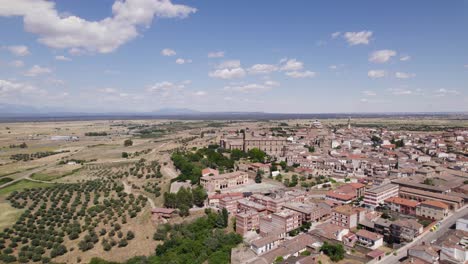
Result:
[[185, 199], [336, 252]]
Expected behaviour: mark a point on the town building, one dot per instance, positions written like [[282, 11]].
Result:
[[369, 239], [405, 230], [346, 193], [432, 210], [454, 202], [454, 248], [426, 253], [462, 223], [266, 244], [347, 216], [309, 212], [280, 222], [376, 196], [224, 181], [401, 205], [247, 221]]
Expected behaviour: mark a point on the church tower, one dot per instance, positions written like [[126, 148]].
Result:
[[349, 123]]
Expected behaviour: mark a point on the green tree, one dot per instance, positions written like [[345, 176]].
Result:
[[199, 196], [336, 252], [128, 143], [257, 155], [258, 177]]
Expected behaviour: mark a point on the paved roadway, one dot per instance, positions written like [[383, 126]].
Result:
[[427, 236]]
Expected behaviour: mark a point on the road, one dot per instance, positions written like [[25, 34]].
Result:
[[24, 175], [426, 237]]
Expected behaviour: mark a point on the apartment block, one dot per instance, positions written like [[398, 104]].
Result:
[[347, 216], [376, 196]]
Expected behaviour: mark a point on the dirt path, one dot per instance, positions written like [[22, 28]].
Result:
[[128, 190]]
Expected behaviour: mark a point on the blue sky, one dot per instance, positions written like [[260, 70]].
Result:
[[271, 56]]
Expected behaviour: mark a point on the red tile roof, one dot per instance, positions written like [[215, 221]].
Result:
[[402, 201], [436, 204]]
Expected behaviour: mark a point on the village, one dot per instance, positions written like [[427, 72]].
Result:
[[360, 194]]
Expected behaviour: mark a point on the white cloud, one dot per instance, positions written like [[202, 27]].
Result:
[[168, 52], [443, 92], [262, 69], [63, 31], [404, 75], [216, 54], [400, 91], [62, 58], [17, 63], [200, 93], [374, 74], [381, 56], [37, 70], [107, 90], [253, 87], [18, 50], [165, 86], [272, 83], [356, 38], [230, 69], [369, 93], [299, 74], [228, 73], [229, 64], [333, 67], [291, 65], [10, 87], [183, 61], [405, 58], [335, 34]]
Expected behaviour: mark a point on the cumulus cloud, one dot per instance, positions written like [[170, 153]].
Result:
[[252, 87], [262, 69], [405, 58], [10, 87], [37, 70], [335, 34], [291, 65], [199, 93], [400, 91], [404, 75], [62, 58], [183, 61], [230, 69], [228, 73], [301, 74], [216, 54], [165, 86], [64, 31], [381, 56], [369, 93], [168, 52], [443, 92], [356, 38], [229, 64], [374, 74], [18, 50]]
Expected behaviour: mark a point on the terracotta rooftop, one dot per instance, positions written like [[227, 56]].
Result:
[[347, 209], [402, 201], [435, 204], [370, 235]]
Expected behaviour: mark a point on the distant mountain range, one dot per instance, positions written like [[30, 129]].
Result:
[[11, 112]]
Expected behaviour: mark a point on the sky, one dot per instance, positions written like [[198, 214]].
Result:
[[269, 56]]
